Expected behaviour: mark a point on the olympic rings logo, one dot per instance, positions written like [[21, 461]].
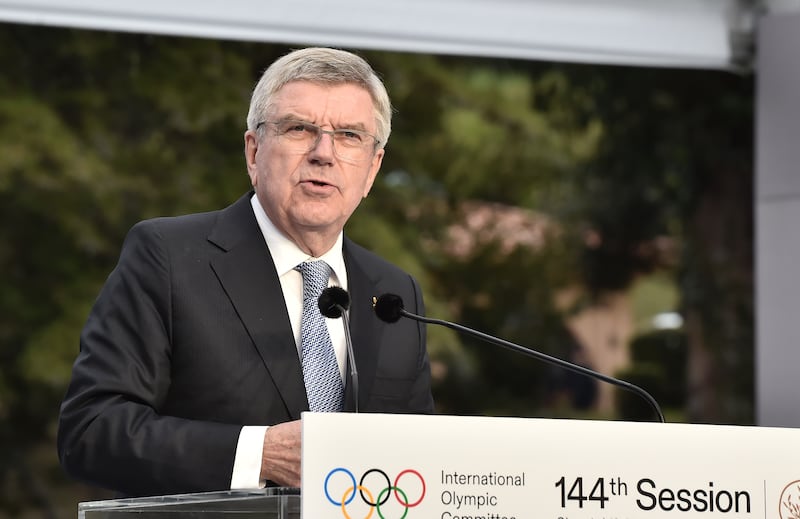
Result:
[[333, 485]]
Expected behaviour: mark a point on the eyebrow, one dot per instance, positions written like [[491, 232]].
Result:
[[349, 126]]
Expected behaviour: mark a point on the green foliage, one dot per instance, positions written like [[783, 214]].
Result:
[[99, 130], [96, 131], [659, 365], [678, 162], [652, 295]]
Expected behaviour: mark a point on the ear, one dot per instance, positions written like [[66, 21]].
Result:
[[375, 165], [250, 151]]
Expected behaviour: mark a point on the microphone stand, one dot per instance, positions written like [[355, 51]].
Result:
[[350, 356], [333, 303], [542, 356]]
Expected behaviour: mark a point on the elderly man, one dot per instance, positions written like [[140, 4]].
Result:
[[203, 347]]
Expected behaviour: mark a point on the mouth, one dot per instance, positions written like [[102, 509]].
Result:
[[317, 185], [317, 181]]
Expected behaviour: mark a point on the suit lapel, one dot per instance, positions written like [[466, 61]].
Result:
[[248, 276], [364, 326]]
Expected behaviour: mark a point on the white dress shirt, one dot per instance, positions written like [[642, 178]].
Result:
[[286, 256]]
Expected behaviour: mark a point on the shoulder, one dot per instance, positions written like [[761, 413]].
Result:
[[197, 226], [176, 226]]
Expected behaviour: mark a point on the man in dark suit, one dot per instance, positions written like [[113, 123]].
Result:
[[191, 371]]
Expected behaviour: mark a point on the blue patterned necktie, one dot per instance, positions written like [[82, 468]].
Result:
[[320, 370]]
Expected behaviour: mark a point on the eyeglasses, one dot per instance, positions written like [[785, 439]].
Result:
[[301, 137]]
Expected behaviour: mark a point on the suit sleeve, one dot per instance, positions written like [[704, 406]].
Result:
[[111, 430]]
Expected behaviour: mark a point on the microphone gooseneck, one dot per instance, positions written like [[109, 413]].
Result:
[[333, 303], [389, 308]]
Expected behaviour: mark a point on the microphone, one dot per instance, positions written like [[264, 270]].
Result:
[[333, 303], [389, 308]]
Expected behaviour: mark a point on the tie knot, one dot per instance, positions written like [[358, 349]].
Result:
[[315, 277]]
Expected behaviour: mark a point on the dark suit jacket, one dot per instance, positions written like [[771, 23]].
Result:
[[190, 339]]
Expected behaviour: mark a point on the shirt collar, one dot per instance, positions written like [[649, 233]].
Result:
[[286, 255]]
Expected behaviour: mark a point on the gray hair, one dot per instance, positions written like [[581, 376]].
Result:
[[327, 66]]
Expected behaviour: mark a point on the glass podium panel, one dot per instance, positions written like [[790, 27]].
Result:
[[269, 503]]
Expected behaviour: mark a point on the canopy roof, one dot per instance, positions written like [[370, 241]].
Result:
[[713, 34]]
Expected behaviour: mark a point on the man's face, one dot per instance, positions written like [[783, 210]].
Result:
[[312, 193]]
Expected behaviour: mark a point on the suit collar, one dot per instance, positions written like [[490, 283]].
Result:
[[286, 255], [235, 224]]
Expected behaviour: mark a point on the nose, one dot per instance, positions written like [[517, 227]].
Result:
[[322, 150]]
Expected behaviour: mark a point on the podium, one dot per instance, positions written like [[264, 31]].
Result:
[[269, 503], [450, 467]]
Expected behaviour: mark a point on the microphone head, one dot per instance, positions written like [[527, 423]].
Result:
[[388, 307], [333, 301]]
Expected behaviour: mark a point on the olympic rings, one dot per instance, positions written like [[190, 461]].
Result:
[[421, 479], [388, 484], [388, 491], [383, 496], [353, 491], [352, 488]]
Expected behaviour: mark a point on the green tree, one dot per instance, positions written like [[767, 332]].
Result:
[[98, 131], [677, 161]]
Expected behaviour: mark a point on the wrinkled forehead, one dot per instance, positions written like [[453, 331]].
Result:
[[316, 101]]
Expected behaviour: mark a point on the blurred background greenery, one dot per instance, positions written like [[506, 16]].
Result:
[[600, 214]]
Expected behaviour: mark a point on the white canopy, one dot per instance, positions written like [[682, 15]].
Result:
[[676, 33]]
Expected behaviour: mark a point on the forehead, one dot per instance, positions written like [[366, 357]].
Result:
[[319, 102]]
